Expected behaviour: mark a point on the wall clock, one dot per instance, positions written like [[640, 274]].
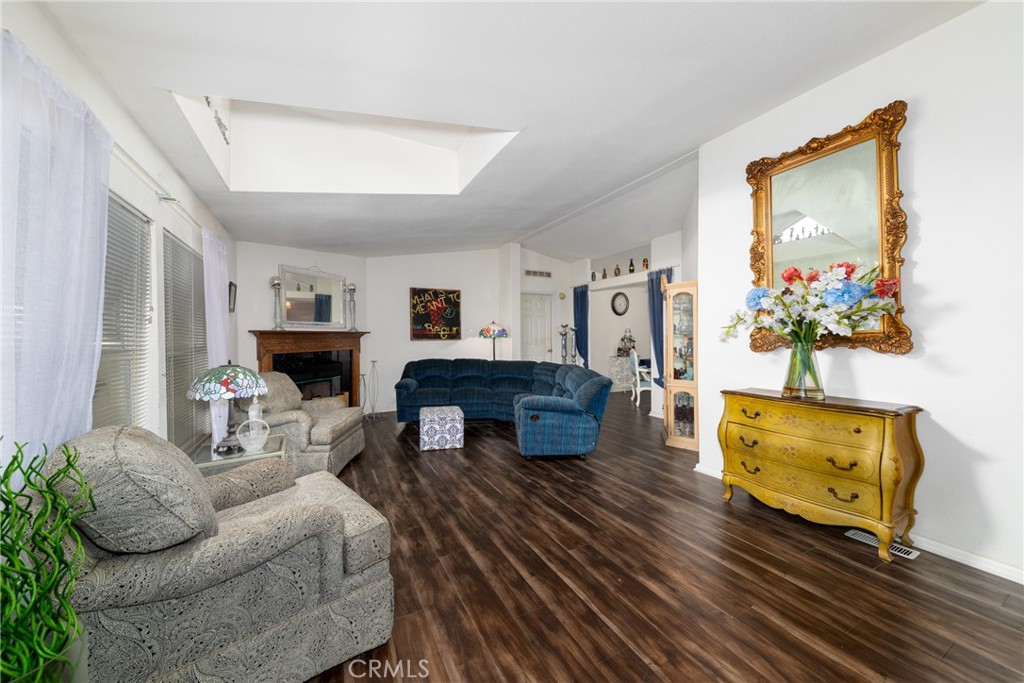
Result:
[[620, 303]]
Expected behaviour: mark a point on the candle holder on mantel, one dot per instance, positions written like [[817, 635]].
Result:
[[350, 293], [276, 283]]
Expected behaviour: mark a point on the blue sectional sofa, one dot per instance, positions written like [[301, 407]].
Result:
[[557, 409]]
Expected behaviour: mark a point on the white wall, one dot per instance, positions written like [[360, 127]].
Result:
[[606, 328], [509, 311], [254, 306], [137, 170], [387, 311], [960, 170], [560, 283], [667, 250], [688, 244]]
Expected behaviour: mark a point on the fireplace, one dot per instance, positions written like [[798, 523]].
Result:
[[317, 373], [319, 351]]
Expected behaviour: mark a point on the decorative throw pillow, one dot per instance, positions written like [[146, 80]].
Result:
[[149, 495]]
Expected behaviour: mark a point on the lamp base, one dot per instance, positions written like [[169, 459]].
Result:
[[229, 447]]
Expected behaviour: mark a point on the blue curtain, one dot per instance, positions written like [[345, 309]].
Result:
[[656, 310], [580, 316], [322, 308]]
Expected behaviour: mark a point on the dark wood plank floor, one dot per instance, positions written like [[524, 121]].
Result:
[[629, 566]]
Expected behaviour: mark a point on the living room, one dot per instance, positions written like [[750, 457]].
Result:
[[959, 170]]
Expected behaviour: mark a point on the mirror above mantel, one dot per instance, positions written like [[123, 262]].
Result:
[[835, 199], [312, 298]]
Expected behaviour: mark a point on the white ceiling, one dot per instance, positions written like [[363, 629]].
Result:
[[610, 97]]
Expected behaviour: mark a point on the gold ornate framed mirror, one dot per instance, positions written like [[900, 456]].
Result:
[[835, 199]]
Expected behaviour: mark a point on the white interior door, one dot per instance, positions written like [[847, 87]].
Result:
[[536, 325]]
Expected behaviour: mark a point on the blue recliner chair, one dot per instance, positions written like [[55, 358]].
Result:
[[566, 422]]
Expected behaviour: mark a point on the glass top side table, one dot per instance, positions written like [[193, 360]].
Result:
[[275, 447]]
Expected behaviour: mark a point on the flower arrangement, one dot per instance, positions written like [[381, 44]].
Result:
[[842, 299]]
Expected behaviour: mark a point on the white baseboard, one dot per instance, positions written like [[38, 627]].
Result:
[[970, 559], [700, 467], [928, 545]]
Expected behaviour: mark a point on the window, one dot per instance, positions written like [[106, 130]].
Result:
[[121, 378], [188, 422]]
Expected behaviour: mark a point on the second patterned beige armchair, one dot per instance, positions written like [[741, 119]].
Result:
[[323, 434]]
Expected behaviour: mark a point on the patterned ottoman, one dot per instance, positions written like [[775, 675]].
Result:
[[441, 427]]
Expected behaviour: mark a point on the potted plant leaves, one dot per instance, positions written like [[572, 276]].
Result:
[[42, 555]]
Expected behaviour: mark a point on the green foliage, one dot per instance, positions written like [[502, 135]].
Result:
[[37, 573]]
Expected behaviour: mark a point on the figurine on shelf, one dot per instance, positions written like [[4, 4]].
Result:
[[604, 273], [632, 268], [593, 276], [626, 344], [618, 271], [646, 264]]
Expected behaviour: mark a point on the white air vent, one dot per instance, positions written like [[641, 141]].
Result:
[[538, 273], [894, 548]]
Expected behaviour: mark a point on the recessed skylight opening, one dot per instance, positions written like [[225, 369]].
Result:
[[258, 147]]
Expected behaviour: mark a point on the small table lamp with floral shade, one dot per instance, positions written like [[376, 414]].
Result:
[[227, 382], [493, 331]]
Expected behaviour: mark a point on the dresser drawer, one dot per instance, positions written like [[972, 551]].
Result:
[[833, 459], [862, 431], [855, 497]]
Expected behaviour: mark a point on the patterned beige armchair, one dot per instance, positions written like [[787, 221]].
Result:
[[243, 576], [323, 434]]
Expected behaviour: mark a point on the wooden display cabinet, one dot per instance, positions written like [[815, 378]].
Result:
[[680, 363]]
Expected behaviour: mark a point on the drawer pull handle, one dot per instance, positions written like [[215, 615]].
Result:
[[853, 496], [757, 414], [856, 430], [832, 461], [755, 470], [748, 445]]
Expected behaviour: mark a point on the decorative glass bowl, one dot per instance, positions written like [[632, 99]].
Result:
[[253, 435]]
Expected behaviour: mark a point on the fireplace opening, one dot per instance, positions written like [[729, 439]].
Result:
[[318, 374]]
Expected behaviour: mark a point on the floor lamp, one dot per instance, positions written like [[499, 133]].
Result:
[[493, 331]]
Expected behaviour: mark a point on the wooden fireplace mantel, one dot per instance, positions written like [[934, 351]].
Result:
[[269, 342]]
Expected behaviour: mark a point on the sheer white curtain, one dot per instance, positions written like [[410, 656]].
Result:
[[56, 163], [215, 282]]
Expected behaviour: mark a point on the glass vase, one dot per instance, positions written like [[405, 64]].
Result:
[[803, 379]]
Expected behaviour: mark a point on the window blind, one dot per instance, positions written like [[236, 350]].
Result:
[[188, 422], [121, 378]]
